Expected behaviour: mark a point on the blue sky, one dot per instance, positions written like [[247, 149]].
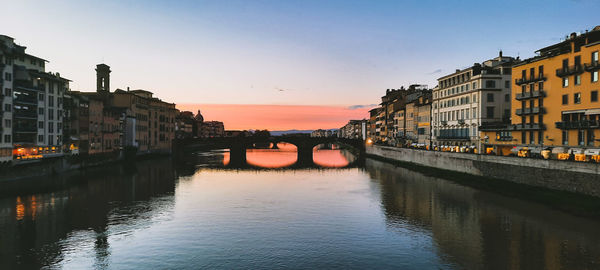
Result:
[[318, 52]]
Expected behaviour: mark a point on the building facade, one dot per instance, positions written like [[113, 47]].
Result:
[[470, 98], [555, 99], [32, 105]]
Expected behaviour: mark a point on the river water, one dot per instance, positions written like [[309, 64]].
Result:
[[199, 214]]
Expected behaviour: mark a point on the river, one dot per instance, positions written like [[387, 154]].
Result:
[[200, 214]]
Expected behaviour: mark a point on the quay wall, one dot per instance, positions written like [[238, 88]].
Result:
[[577, 177]]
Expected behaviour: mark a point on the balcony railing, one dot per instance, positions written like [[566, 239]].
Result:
[[595, 65], [534, 94], [444, 123], [533, 79], [527, 127], [533, 110], [453, 137], [461, 121], [581, 124], [567, 71]]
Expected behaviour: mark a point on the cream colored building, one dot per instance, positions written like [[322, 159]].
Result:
[[469, 98]]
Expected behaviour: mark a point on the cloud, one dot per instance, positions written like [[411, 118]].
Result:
[[439, 70], [354, 107]]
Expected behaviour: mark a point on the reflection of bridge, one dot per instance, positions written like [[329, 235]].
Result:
[[237, 146]]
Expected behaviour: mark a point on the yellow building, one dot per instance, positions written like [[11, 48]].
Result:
[[554, 100]]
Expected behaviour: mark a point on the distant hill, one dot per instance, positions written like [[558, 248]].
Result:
[[283, 132]]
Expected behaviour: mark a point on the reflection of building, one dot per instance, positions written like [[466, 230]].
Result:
[[475, 229], [323, 133], [469, 98], [555, 97], [26, 219], [31, 121]]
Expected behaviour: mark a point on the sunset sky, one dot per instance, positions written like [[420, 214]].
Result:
[[326, 56]]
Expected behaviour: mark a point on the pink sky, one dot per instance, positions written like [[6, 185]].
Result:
[[277, 117]]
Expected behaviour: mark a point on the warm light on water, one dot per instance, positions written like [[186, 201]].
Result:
[[193, 215]]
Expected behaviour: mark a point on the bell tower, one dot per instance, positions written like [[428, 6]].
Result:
[[102, 78]]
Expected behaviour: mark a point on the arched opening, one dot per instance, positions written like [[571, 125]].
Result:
[[274, 156], [331, 155]]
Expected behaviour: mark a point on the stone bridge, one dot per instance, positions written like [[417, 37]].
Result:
[[237, 146]]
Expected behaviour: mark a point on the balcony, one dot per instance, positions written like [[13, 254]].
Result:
[[524, 80], [567, 71], [28, 85], [444, 123], [534, 110], [527, 127], [461, 121], [581, 124], [453, 137], [534, 94], [592, 66]]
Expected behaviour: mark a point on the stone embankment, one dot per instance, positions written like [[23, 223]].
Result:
[[578, 177]]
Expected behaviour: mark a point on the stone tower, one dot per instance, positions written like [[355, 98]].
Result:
[[102, 78]]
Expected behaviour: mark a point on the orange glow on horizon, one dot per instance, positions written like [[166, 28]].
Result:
[[277, 117]]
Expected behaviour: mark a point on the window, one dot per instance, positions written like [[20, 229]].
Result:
[[7, 123], [467, 87], [577, 98], [490, 97], [8, 76], [523, 137], [41, 96], [40, 138], [594, 96], [50, 101], [490, 84], [577, 79], [8, 92], [51, 127], [523, 74], [580, 137], [474, 112], [41, 124], [507, 97], [578, 60], [565, 137], [7, 138], [565, 99], [506, 84], [50, 114], [41, 111], [474, 85], [595, 56], [595, 76], [467, 113], [590, 137], [7, 107], [541, 71], [531, 136], [50, 139], [490, 112], [565, 81]]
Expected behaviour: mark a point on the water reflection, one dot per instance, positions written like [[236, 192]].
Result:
[[35, 229], [284, 155], [482, 230], [196, 213]]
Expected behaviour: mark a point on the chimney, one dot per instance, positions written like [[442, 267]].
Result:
[[127, 88], [500, 54]]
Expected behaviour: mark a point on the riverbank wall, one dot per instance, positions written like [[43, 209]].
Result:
[[577, 177]]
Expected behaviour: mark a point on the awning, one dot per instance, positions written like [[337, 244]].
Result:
[[576, 151], [592, 152], [576, 111], [558, 150], [592, 111]]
